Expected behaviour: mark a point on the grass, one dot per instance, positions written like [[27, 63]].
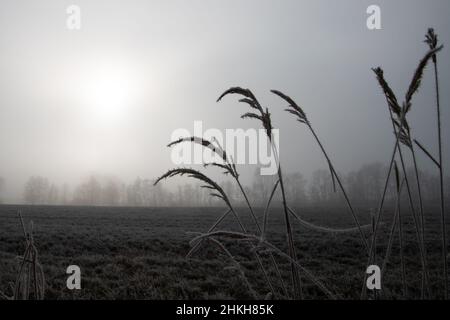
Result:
[[403, 135], [264, 117], [30, 280], [230, 169], [138, 253], [218, 192]]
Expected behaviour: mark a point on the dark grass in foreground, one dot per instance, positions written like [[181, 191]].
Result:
[[138, 253]]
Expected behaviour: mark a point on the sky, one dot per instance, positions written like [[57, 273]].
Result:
[[106, 99]]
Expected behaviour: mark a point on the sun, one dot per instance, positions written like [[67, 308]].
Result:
[[109, 91]]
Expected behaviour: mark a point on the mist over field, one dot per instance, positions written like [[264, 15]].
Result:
[[104, 100]]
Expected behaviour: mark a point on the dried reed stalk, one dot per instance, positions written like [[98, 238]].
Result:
[[297, 111], [30, 280], [218, 192], [264, 117], [432, 41], [402, 133]]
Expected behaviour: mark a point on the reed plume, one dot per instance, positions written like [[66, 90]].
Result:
[[403, 135], [263, 116], [229, 168]]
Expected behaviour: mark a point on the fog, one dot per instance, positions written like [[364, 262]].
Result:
[[104, 100]]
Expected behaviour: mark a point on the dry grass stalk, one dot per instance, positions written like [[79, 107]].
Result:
[[270, 246], [402, 132], [30, 280], [396, 221], [264, 117], [403, 136], [229, 168], [295, 109], [236, 266], [218, 192], [432, 40]]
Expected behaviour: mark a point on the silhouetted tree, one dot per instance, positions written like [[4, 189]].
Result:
[[321, 187], [36, 190], [295, 185], [88, 193], [2, 185], [53, 195], [111, 193], [261, 188]]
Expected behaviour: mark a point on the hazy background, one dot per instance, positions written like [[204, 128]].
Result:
[[166, 63]]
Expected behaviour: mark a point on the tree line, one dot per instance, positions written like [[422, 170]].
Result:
[[364, 187]]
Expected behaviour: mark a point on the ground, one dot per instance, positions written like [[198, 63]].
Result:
[[139, 253]]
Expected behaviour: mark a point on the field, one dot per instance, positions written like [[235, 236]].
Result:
[[139, 253]]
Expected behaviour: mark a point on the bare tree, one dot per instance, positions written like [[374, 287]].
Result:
[[36, 190], [111, 193], [53, 195], [296, 189], [2, 185], [88, 193], [321, 188]]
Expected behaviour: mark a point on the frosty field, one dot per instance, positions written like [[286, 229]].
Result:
[[139, 253]]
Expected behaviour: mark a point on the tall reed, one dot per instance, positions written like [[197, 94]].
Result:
[[264, 117], [229, 168], [294, 109], [431, 39], [218, 192], [402, 135], [396, 221]]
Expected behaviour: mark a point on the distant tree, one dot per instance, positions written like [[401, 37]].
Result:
[[189, 195], [149, 193], [373, 181], [53, 195], [64, 195], [88, 193], [365, 185], [142, 192], [134, 193], [356, 187], [295, 185], [261, 188], [155, 195], [321, 187], [2, 185], [111, 193], [36, 190], [430, 187]]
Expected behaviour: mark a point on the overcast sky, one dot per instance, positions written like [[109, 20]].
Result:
[[105, 99]]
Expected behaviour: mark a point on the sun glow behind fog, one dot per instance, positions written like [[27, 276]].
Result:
[[102, 99], [108, 91]]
